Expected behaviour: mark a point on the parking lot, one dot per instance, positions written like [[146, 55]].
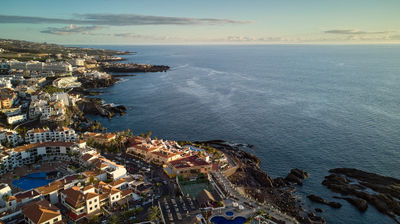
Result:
[[179, 209]]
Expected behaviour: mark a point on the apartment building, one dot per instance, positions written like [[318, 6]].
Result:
[[61, 134], [32, 153]]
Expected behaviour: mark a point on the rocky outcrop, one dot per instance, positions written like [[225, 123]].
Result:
[[311, 218], [260, 186], [296, 176], [318, 210], [132, 67], [96, 107], [359, 203], [318, 199], [97, 83], [380, 191]]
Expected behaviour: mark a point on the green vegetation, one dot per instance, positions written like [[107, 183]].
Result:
[[22, 131], [94, 219], [220, 204], [52, 89], [5, 197], [31, 50], [113, 219], [153, 213]]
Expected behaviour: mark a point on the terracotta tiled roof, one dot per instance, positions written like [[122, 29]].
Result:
[[88, 187], [53, 186], [145, 148], [27, 194], [74, 216], [91, 195], [164, 154], [74, 198], [114, 191], [125, 193], [135, 141], [42, 144], [86, 157], [117, 182], [41, 211], [103, 196], [191, 161]]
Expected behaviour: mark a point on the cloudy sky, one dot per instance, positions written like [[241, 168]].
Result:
[[205, 21]]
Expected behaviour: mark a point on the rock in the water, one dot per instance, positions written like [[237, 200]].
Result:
[[294, 179], [318, 210], [359, 203], [387, 188], [299, 173], [318, 199], [335, 204]]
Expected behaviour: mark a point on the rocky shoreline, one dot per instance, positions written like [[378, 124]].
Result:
[[95, 106], [363, 188], [132, 67], [256, 183]]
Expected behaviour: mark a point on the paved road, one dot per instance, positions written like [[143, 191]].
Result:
[[232, 192]]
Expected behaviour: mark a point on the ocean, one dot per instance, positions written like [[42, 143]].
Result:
[[313, 107]]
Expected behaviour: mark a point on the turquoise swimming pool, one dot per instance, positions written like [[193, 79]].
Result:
[[32, 180]]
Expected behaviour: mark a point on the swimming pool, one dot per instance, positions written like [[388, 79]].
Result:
[[32, 180], [223, 220], [229, 213]]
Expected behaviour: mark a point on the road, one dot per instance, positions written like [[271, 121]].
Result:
[[244, 200]]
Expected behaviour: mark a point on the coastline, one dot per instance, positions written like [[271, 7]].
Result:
[[310, 211]]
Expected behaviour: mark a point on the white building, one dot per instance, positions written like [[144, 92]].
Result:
[[66, 82], [98, 75], [57, 67], [16, 118], [77, 62], [11, 136], [4, 189], [50, 107], [36, 66], [62, 134], [32, 153], [6, 82]]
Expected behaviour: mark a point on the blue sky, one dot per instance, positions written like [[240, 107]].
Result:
[[206, 21]]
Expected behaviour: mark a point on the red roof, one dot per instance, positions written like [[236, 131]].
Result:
[[26, 194], [76, 217], [190, 161]]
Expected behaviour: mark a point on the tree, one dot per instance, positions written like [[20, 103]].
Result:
[[92, 180], [113, 219], [22, 131], [5, 197], [220, 204], [153, 213], [95, 219], [148, 134]]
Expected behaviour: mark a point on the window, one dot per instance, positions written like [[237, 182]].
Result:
[[55, 220], [90, 209], [95, 206], [90, 202], [95, 200]]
